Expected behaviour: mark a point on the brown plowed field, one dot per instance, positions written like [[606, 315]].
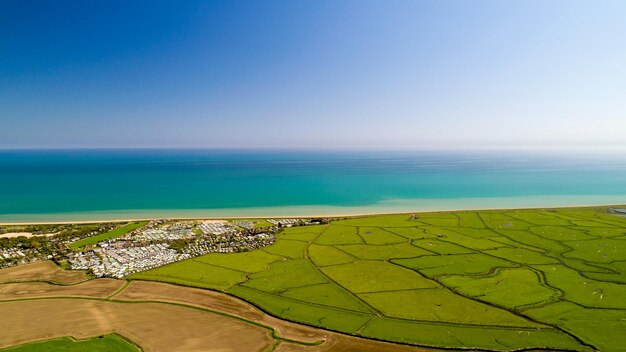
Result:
[[100, 288], [153, 326], [41, 271]]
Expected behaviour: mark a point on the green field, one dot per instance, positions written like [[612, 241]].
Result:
[[257, 222], [106, 343], [495, 280], [117, 232]]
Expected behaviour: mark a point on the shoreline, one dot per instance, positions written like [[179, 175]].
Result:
[[334, 215]]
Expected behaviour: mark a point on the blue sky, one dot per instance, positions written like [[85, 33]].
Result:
[[313, 74]]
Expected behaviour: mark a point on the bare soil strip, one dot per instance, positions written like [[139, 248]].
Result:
[[25, 234], [41, 271], [100, 288]]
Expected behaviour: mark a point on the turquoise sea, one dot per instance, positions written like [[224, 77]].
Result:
[[64, 185]]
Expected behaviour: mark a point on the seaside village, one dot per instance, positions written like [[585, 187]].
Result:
[[162, 242]]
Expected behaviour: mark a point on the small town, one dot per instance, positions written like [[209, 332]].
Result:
[[164, 242], [157, 243]]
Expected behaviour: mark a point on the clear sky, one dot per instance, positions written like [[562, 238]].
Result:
[[313, 74]]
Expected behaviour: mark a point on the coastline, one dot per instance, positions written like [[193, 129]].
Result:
[[127, 185], [382, 208]]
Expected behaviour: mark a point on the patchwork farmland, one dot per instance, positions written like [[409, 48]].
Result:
[[542, 279], [495, 280]]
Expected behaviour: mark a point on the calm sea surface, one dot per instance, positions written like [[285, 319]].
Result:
[[118, 184]]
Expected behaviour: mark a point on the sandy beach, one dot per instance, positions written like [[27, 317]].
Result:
[[286, 215], [23, 234]]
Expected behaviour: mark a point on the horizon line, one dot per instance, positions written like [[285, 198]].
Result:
[[483, 148]]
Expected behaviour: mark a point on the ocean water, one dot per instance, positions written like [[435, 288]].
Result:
[[64, 185]]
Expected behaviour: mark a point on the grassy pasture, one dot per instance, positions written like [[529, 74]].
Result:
[[441, 222], [376, 235], [284, 275], [327, 255], [374, 276], [606, 232], [250, 262], [441, 247], [302, 233], [602, 328], [316, 229], [604, 250], [194, 273], [382, 252], [618, 276], [288, 248], [299, 236], [500, 221], [413, 233], [397, 220], [559, 233], [538, 218], [526, 238], [298, 311], [514, 243], [439, 304], [490, 215], [117, 232], [476, 279], [328, 294], [468, 337], [497, 289], [461, 239], [456, 264], [470, 219], [592, 223], [334, 235], [594, 216], [476, 233], [521, 255], [587, 292]]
